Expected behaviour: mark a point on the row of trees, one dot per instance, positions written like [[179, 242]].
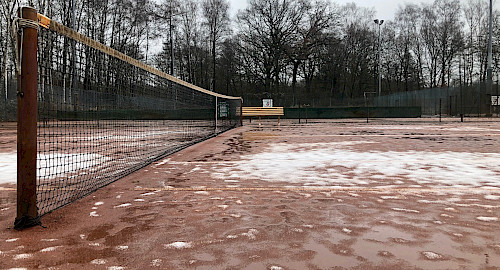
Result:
[[291, 50]]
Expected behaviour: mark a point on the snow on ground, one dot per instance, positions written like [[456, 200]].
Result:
[[8, 171], [336, 163], [178, 245], [49, 166]]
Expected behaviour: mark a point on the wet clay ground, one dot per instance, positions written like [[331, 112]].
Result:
[[343, 194]]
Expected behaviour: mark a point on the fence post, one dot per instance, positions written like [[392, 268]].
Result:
[[440, 104], [27, 213]]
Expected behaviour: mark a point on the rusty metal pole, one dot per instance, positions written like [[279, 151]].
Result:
[[27, 214]]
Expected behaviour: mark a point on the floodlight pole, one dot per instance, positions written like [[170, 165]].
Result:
[[172, 72], [489, 72], [379, 23]]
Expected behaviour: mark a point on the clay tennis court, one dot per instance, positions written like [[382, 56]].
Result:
[[329, 194]]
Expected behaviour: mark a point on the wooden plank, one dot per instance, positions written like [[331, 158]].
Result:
[[262, 111]]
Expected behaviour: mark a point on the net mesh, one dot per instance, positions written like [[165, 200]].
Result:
[[101, 118]]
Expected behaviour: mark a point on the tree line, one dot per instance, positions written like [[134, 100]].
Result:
[[295, 51]]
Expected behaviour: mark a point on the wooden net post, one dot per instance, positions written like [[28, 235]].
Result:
[[27, 41]]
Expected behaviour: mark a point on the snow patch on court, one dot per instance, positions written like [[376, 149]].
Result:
[[98, 261], [50, 249], [48, 240], [116, 268], [431, 255], [487, 219], [251, 234], [8, 168], [51, 165], [123, 205], [405, 210], [178, 245], [22, 256], [337, 163]]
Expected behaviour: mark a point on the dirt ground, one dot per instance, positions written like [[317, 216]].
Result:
[[329, 194]]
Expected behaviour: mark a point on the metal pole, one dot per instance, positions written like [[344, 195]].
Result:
[[216, 114], [73, 65], [171, 42], [379, 63], [490, 60], [27, 213]]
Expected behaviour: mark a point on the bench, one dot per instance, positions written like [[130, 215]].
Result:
[[262, 111]]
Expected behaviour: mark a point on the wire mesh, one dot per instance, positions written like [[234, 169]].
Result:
[[101, 118]]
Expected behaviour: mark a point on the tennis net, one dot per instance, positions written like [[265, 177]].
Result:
[[103, 115]]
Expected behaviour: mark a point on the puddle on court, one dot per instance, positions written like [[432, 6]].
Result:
[[386, 234], [325, 259]]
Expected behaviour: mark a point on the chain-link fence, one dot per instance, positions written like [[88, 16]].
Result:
[[472, 100], [467, 100]]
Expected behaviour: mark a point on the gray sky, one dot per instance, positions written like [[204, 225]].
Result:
[[385, 8]]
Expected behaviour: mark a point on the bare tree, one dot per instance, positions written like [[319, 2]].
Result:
[[215, 13]]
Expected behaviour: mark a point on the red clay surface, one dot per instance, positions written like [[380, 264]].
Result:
[[391, 194]]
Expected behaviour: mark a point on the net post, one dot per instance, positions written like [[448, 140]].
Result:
[[216, 114], [27, 40]]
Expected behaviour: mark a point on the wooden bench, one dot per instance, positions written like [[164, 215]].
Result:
[[262, 111]]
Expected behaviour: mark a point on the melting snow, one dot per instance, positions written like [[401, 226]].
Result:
[[122, 247], [346, 230], [23, 256], [163, 162], [251, 234], [8, 168], [156, 262], [390, 197], [317, 163], [487, 218], [178, 245], [116, 268], [431, 255], [98, 203], [8, 165], [202, 192], [94, 214], [98, 261], [50, 249], [492, 197], [405, 210], [123, 205], [11, 240], [48, 240]]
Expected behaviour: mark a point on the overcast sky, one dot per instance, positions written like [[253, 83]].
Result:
[[385, 8]]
